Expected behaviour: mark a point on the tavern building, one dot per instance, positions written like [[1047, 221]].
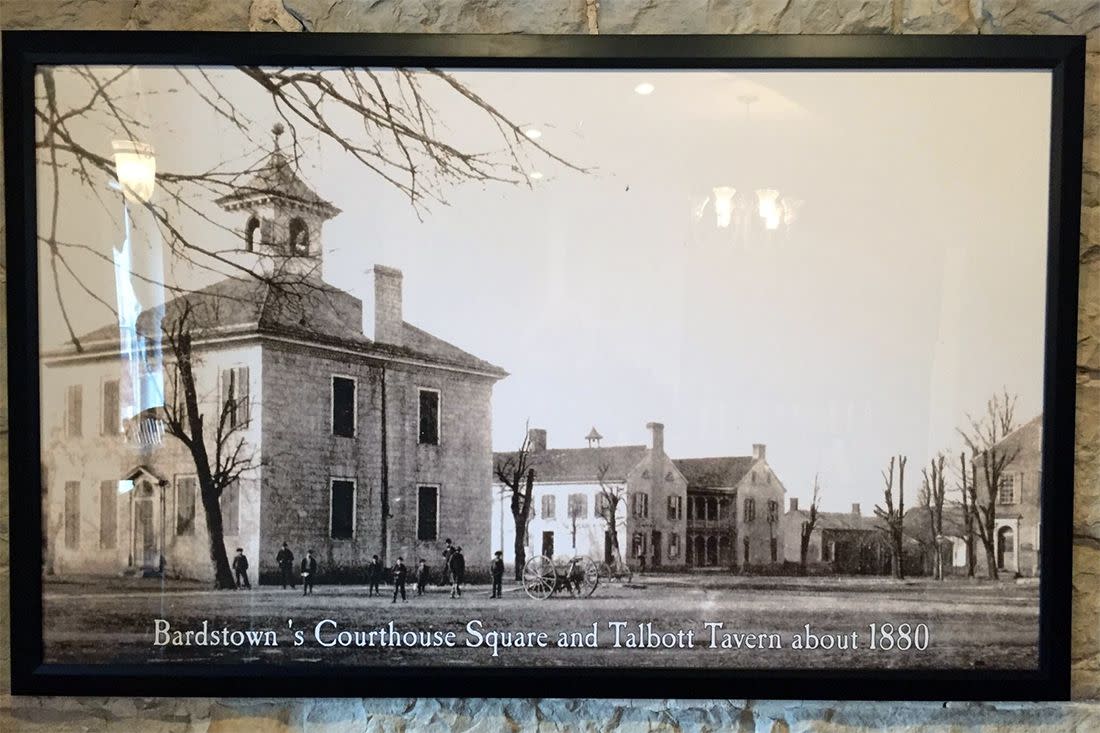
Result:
[[722, 512], [357, 446]]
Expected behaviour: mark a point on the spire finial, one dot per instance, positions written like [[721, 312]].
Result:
[[276, 130]]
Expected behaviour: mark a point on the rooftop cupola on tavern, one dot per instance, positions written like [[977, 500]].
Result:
[[280, 215]]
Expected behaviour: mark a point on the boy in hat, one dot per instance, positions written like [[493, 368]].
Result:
[[421, 577], [309, 570], [240, 569]]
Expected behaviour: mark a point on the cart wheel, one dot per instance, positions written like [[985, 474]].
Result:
[[539, 577], [591, 577]]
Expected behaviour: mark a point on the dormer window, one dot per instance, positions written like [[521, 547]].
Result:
[[250, 234], [298, 242]]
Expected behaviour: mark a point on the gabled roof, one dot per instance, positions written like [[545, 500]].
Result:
[[841, 520], [579, 465], [305, 304], [306, 309], [714, 473]]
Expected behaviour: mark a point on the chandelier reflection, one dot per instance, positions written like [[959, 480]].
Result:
[[744, 215]]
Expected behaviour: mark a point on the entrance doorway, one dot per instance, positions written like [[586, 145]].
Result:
[[548, 544], [656, 549], [1006, 556]]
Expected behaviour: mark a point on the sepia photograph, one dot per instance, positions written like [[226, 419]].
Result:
[[679, 369]]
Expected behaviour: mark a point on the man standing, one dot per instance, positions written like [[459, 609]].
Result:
[[458, 570], [285, 560], [374, 575], [309, 571], [240, 569], [400, 574], [448, 550], [496, 568]]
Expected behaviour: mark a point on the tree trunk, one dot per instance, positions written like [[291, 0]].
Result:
[[803, 553], [223, 575], [520, 548], [521, 510]]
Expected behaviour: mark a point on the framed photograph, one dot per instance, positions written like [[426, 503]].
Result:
[[560, 366]]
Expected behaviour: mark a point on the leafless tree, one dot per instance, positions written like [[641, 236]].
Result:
[[384, 120], [968, 491], [220, 451], [933, 494], [991, 459], [807, 528], [894, 514], [610, 496], [516, 472]]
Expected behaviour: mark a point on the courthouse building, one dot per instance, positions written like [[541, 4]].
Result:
[[333, 421]]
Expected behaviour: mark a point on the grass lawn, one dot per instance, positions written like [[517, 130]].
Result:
[[970, 624]]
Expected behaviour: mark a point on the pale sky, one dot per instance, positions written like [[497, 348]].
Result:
[[909, 289]]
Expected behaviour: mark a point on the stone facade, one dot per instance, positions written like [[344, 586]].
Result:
[[571, 16], [116, 506]]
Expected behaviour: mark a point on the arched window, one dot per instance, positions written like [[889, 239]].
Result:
[[299, 236], [250, 233]]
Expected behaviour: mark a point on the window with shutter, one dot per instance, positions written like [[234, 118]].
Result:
[[343, 407], [342, 509], [427, 513], [110, 424], [108, 514], [186, 489], [74, 410]]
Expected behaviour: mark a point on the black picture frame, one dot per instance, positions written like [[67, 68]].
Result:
[[1063, 56]]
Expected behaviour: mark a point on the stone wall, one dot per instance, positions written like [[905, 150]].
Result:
[[632, 16]]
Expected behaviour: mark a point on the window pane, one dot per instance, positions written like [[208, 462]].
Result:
[[427, 512], [108, 512], [429, 417], [343, 508], [343, 407], [185, 505]]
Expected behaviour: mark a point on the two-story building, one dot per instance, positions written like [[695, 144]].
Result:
[[676, 513], [351, 446]]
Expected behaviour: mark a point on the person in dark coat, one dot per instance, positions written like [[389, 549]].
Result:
[[285, 560], [496, 569], [448, 550], [400, 575], [374, 576], [309, 573], [458, 570], [240, 569], [422, 575]]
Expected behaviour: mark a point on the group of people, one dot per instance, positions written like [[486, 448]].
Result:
[[454, 566]]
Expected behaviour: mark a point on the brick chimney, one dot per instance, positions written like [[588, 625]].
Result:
[[658, 430], [536, 439], [794, 503], [759, 451], [388, 321], [855, 509]]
